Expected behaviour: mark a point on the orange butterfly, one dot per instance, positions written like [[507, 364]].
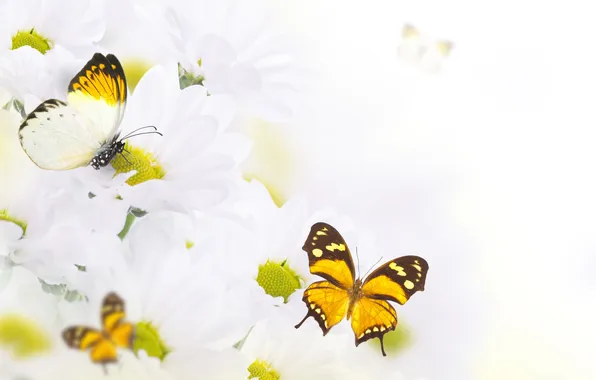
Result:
[[342, 295]]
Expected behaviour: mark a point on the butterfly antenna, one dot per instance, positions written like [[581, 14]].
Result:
[[374, 265], [140, 129], [357, 262], [142, 133]]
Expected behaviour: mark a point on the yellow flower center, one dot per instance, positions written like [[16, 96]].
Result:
[[260, 369], [4, 216], [143, 162], [22, 336], [33, 39], [147, 338], [189, 244], [277, 279]]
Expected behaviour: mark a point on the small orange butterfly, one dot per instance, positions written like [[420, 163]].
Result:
[[116, 332]]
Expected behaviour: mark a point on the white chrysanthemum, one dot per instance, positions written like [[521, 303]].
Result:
[[28, 324], [277, 350], [74, 25], [181, 303], [190, 167], [61, 225], [31, 77], [264, 242], [233, 46]]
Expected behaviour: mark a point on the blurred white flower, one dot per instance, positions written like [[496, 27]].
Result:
[[139, 32], [31, 77], [61, 226], [180, 302], [236, 48]]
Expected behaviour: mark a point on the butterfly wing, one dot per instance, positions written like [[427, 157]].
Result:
[[99, 91], [410, 47], [102, 350], [329, 256], [113, 316], [396, 280], [435, 54], [326, 303], [60, 136], [372, 318], [56, 136]]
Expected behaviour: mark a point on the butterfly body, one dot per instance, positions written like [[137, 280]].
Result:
[[107, 153], [60, 135], [342, 295], [103, 344]]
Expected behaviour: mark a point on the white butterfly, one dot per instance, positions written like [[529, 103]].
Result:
[[86, 130], [418, 50]]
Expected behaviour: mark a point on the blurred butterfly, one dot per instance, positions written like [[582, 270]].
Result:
[[115, 332], [85, 130], [416, 49], [342, 295]]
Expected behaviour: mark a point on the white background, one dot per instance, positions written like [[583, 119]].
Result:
[[486, 168]]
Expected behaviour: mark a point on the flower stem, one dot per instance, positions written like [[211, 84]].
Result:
[[130, 218]]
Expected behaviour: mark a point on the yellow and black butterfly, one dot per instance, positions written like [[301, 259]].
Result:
[[342, 295], [85, 130], [116, 332]]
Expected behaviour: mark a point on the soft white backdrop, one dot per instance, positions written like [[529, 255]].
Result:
[[486, 169]]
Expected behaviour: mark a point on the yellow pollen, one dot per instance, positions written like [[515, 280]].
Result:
[[260, 369], [147, 338], [33, 39], [278, 279], [143, 162]]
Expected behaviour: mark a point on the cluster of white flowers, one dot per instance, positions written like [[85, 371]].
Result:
[[210, 267]]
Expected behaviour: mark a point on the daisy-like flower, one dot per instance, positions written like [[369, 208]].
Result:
[[27, 319], [183, 309], [277, 350], [140, 34], [30, 77], [267, 244], [231, 47], [41, 24], [190, 167]]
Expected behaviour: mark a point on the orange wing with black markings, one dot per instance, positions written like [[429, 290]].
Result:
[[99, 92], [372, 318], [329, 255], [113, 315], [102, 345], [326, 303], [397, 280]]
